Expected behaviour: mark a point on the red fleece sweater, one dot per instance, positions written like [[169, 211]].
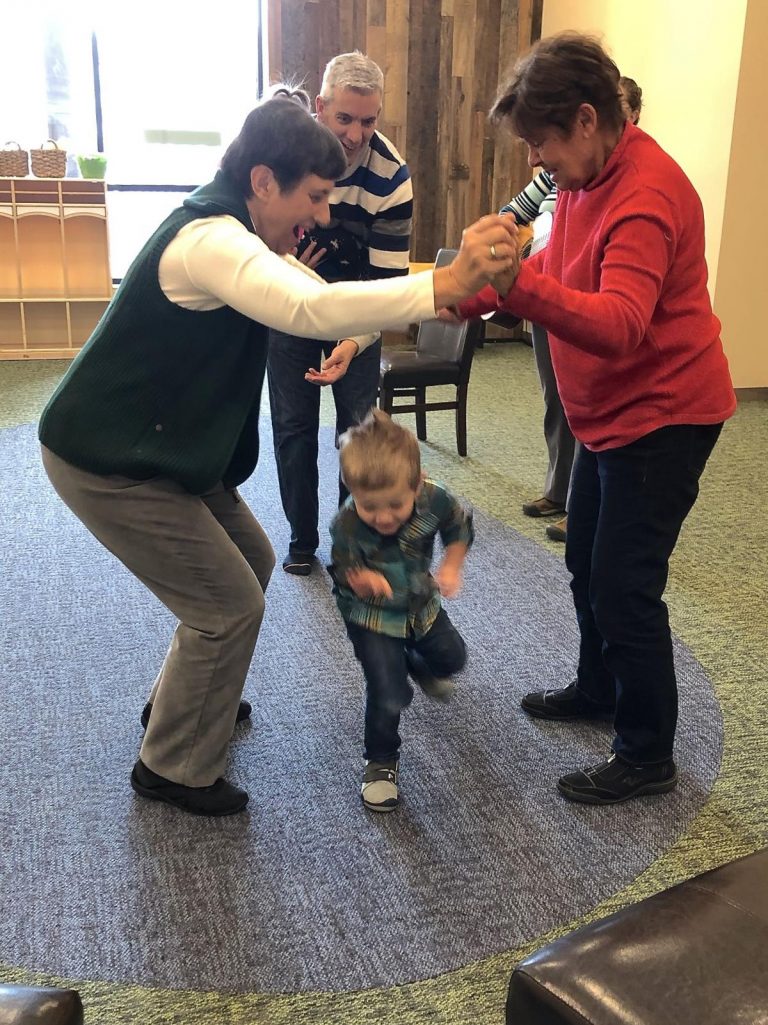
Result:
[[622, 290]]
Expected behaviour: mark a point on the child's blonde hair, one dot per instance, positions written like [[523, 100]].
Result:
[[378, 453]]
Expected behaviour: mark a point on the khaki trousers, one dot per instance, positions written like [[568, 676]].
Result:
[[561, 444], [209, 562]]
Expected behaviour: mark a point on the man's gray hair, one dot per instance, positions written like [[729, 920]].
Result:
[[352, 71]]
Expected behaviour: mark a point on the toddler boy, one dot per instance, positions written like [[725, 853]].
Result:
[[383, 539]]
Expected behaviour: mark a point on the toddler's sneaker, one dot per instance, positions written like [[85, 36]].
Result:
[[439, 688], [379, 789]]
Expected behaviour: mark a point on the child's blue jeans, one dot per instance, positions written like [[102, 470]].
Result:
[[385, 664]]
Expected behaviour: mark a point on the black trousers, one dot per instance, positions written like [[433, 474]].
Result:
[[626, 509], [295, 407], [385, 664]]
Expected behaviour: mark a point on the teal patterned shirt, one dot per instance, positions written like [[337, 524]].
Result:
[[404, 559]]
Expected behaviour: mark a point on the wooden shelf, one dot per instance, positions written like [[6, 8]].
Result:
[[57, 282]]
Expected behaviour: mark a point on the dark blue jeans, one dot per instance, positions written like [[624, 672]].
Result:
[[385, 665], [626, 509], [295, 406]]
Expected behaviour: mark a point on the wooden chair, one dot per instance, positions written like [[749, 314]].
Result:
[[443, 355]]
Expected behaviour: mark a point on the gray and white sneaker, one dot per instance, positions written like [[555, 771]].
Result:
[[439, 688], [379, 789]]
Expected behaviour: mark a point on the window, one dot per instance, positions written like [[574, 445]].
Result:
[[159, 87]]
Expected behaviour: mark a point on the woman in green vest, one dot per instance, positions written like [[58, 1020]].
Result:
[[155, 424]]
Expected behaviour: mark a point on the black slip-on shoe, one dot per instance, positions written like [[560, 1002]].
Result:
[[298, 564], [243, 712], [615, 780], [563, 704], [221, 798]]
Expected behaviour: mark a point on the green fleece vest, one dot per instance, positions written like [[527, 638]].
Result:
[[159, 390]]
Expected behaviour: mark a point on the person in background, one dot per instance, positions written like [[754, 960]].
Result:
[[367, 237], [631, 99], [154, 425], [536, 203], [383, 539], [622, 291]]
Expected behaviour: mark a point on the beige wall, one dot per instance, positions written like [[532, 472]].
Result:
[[741, 292], [699, 76]]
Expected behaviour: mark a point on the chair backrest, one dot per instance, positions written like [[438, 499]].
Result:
[[452, 342]]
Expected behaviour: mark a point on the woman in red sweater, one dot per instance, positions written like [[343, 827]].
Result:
[[622, 290]]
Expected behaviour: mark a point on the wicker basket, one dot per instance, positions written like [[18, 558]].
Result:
[[14, 163], [49, 163]]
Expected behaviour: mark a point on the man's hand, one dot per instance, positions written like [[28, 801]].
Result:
[[367, 583], [309, 256], [336, 366]]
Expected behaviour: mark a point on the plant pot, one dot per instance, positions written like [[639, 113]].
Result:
[[92, 167]]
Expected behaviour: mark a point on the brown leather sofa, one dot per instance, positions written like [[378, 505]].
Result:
[[37, 1005], [696, 954]]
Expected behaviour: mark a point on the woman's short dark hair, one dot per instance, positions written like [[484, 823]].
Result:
[[549, 83], [283, 136]]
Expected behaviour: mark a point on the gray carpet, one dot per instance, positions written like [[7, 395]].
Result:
[[307, 891]]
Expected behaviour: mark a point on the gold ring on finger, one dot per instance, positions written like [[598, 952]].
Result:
[[492, 247]]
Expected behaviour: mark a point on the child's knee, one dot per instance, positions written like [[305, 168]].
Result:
[[459, 654]]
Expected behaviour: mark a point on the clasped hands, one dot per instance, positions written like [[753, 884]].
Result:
[[489, 253]]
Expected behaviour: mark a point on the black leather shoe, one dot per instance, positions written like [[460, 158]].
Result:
[[615, 780], [298, 564], [563, 704], [243, 712], [221, 798]]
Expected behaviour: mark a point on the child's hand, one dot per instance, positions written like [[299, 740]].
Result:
[[367, 583], [448, 579]]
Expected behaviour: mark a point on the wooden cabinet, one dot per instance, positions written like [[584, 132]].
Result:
[[55, 281]]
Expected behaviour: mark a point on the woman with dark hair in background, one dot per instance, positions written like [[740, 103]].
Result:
[[622, 290], [631, 99], [155, 423]]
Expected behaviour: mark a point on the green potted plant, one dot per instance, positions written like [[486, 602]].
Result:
[[92, 165]]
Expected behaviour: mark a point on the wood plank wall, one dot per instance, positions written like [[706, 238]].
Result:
[[442, 62]]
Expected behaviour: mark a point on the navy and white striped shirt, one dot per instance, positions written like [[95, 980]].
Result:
[[369, 235], [536, 198]]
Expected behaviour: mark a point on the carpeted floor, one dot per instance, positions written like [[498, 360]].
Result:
[[308, 909]]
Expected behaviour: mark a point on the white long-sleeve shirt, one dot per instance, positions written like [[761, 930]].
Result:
[[214, 262]]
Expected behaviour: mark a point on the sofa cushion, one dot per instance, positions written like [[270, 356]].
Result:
[[695, 953], [38, 1005]]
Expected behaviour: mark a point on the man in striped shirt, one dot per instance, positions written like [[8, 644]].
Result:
[[367, 237]]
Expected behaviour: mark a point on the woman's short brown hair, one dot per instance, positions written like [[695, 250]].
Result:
[[549, 83], [282, 135], [378, 453]]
